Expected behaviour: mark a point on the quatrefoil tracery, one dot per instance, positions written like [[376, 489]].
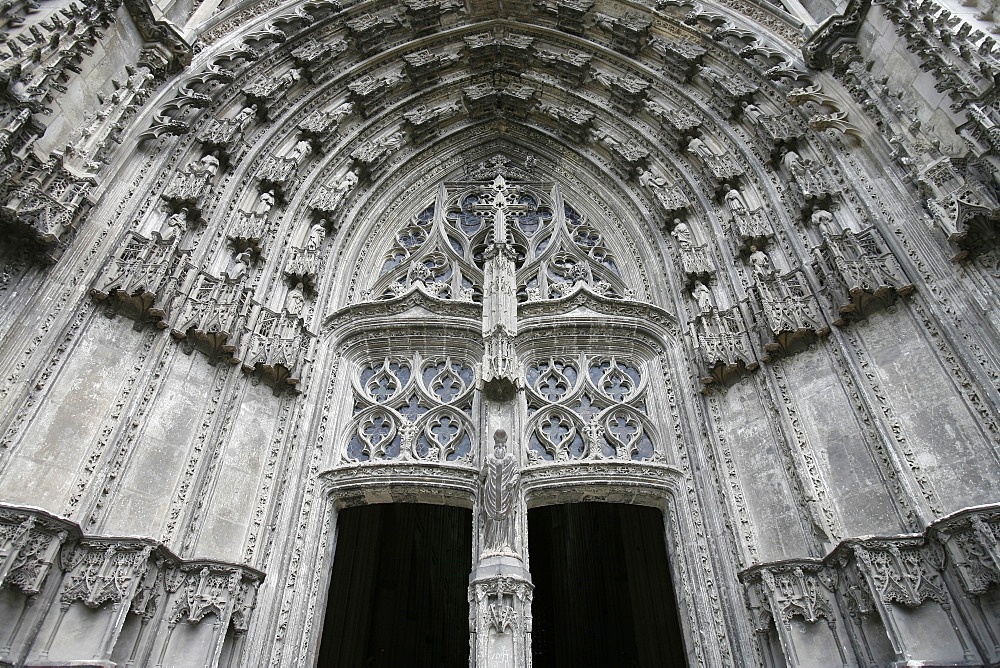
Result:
[[412, 408]]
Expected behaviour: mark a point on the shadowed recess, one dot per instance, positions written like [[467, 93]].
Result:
[[603, 594], [398, 591]]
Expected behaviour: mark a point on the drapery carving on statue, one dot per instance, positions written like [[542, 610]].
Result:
[[500, 476]]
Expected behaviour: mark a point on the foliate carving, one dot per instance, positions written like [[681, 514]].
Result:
[[105, 572], [141, 279], [629, 33], [723, 344], [588, 408], [786, 591], [29, 546], [315, 57], [862, 273], [416, 408], [269, 91], [501, 619]]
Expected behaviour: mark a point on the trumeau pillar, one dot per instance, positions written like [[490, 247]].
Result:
[[500, 586]]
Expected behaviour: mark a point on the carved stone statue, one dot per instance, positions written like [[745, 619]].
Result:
[[703, 295], [264, 203], [237, 268], [760, 263], [317, 233], [173, 227], [299, 151], [295, 300], [500, 477], [735, 202], [682, 233]]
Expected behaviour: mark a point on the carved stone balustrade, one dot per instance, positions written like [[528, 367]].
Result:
[[680, 123], [862, 274], [424, 15], [967, 211], [277, 173], [302, 268], [275, 348], [682, 58], [141, 280], [369, 32], [44, 208], [723, 345], [574, 122], [629, 33], [424, 67], [777, 132], [319, 125], [374, 152], [211, 319], [368, 91], [315, 57], [485, 99], [571, 15], [223, 136], [71, 596], [789, 318], [247, 231], [423, 123], [571, 64], [510, 53], [190, 185], [268, 92]]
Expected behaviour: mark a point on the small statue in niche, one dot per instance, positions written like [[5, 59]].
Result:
[[682, 233], [173, 227], [734, 200], [500, 477], [760, 263], [822, 219], [703, 295], [264, 203], [295, 300], [299, 151], [317, 233], [237, 268]]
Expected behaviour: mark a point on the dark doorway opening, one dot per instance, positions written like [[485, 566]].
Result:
[[603, 594], [398, 593]]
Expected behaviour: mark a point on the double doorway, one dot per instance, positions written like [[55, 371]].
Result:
[[603, 593]]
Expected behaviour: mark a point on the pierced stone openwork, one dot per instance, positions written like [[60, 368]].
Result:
[[588, 407], [412, 408], [555, 247]]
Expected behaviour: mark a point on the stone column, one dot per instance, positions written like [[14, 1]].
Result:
[[500, 586]]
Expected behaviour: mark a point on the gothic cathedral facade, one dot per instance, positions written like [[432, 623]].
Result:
[[264, 261]]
